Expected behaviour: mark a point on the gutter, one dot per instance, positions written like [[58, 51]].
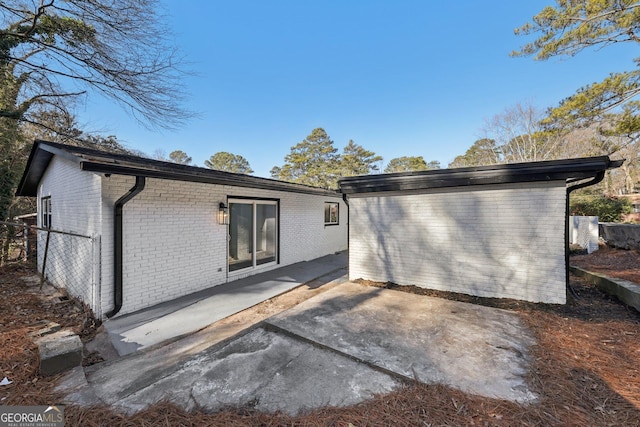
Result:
[[117, 244], [596, 179]]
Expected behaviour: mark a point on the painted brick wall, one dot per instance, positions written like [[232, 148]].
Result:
[[75, 197], [174, 246], [495, 241], [72, 261], [302, 231]]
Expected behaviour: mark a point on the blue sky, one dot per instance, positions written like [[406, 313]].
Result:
[[401, 77]]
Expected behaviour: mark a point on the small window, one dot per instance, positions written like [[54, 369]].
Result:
[[331, 213], [636, 207], [45, 208]]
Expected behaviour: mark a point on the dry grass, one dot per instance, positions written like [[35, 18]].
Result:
[[586, 371]]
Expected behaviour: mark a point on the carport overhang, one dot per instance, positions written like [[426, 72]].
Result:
[[575, 173]]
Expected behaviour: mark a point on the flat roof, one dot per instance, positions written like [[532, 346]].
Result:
[[567, 170], [103, 162]]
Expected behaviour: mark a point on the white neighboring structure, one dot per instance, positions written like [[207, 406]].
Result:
[[493, 231], [583, 231], [149, 231]]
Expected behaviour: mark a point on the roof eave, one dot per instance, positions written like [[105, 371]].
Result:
[[559, 170], [99, 162], [39, 159], [220, 179]]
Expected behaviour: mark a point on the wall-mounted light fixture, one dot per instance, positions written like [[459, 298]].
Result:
[[223, 214]]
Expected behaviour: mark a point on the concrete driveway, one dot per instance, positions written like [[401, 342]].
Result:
[[337, 348]]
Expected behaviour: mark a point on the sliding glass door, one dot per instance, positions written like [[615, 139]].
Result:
[[253, 233]]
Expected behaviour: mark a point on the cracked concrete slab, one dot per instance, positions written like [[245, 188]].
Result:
[[477, 349], [337, 348], [267, 371]]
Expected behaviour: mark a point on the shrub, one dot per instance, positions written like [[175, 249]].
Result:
[[607, 209]]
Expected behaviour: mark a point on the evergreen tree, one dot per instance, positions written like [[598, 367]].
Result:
[[407, 164], [482, 152], [180, 157], [13, 158], [229, 162], [311, 162], [355, 160], [275, 172], [573, 26], [433, 164]]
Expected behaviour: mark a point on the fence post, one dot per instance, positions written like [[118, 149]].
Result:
[[96, 275], [44, 261], [25, 234]]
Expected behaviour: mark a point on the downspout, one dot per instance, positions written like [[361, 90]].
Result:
[[117, 244], [599, 177], [346, 202]]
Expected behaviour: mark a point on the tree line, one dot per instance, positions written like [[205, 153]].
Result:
[[314, 161]]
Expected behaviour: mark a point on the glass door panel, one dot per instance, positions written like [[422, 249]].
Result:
[[252, 224], [265, 234], [240, 236]]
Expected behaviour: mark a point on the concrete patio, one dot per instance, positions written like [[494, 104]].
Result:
[[193, 312], [338, 348]]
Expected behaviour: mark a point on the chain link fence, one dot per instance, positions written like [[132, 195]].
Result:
[[17, 243], [67, 260]]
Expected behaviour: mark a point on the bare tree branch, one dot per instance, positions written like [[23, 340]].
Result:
[[117, 48]]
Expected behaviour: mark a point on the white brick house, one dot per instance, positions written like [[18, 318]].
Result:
[[169, 241], [494, 231]]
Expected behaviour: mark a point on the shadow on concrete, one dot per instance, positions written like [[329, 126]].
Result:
[[193, 312]]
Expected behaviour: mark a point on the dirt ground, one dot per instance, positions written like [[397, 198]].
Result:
[[586, 366]]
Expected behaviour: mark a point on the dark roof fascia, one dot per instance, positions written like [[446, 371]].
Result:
[[58, 150], [553, 170], [39, 159], [208, 177], [121, 164]]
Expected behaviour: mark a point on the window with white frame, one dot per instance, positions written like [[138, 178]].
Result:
[[331, 213], [45, 209]]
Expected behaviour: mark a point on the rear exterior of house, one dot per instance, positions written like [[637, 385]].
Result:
[[182, 229], [495, 231]]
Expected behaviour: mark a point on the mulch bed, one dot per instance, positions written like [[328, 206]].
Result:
[[25, 310], [585, 369], [618, 263]]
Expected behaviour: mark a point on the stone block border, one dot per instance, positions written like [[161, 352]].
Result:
[[626, 291], [59, 352]]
